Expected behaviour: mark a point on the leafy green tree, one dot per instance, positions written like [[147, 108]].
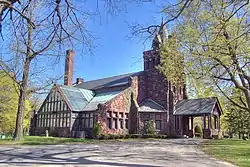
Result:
[[172, 62], [213, 36], [8, 104], [238, 121]]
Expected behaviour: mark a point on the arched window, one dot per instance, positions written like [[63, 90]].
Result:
[[148, 64], [153, 63]]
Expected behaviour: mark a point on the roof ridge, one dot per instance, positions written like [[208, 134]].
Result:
[[113, 76], [201, 98]]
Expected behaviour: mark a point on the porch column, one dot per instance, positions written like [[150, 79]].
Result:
[[192, 123], [204, 121], [218, 121], [209, 121]]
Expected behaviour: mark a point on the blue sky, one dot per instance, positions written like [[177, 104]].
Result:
[[115, 53]]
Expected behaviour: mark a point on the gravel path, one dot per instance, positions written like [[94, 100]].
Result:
[[130, 153]]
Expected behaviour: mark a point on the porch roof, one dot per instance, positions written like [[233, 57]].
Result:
[[195, 107]]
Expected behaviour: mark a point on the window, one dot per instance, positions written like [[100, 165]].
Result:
[[87, 121], [64, 120], [121, 123], [91, 120], [45, 120], [54, 120], [153, 63], [108, 123], [126, 123], [116, 123], [158, 124], [121, 115], [148, 64], [61, 120]]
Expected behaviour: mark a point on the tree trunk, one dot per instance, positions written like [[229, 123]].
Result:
[[247, 95], [18, 135]]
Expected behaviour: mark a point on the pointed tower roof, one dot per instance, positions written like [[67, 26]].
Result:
[[163, 31], [161, 36]]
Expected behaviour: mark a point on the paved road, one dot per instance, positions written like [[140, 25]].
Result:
[[143, 153]]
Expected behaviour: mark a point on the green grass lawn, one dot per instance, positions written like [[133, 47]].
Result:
[[231, 150], [39, 140]]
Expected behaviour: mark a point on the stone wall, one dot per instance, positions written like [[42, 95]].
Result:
[[147, 116], [54, 131], [123, 108]]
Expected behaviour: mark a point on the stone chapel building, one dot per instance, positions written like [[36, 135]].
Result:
[[124, 103]]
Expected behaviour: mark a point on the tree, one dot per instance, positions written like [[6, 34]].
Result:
[[8, 105], [214, 38], [172, 62], [237, 121]]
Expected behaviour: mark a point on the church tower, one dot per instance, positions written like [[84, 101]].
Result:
[[158, 87], [157, 84]]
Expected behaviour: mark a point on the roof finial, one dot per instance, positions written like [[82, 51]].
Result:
[[162, 20], [161, 35]]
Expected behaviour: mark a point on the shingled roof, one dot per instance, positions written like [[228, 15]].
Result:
[[195, 106], [118, 80]]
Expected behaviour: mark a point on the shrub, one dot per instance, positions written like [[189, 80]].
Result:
[[97, 130], [127, 136], [122, 136], [197, 135], [150, 127], [103, 137], [198, 131], [136, 136], [116, 136]]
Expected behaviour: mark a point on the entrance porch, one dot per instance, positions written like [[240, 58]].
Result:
[[207, 109]]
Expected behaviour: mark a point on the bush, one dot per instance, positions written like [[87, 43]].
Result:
[[197, 134], [136, 135], [149, 127], [198, 131], [103, 137], [121, 136], [127, 136], [97, 130]]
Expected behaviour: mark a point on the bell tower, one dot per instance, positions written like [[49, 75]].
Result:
[[156, 83], [152, 57]]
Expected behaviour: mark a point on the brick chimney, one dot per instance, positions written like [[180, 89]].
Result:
[[79, 80], [69, 65]]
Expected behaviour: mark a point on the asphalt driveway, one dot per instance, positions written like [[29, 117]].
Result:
[[130, 153]]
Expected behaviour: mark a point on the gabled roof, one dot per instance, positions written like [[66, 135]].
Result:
[[100, 98], [85, 100], [195, 107], [150, 105], [118, 80], [78, 98]]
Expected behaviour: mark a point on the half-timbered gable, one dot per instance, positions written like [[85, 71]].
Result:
[[54, 113]]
